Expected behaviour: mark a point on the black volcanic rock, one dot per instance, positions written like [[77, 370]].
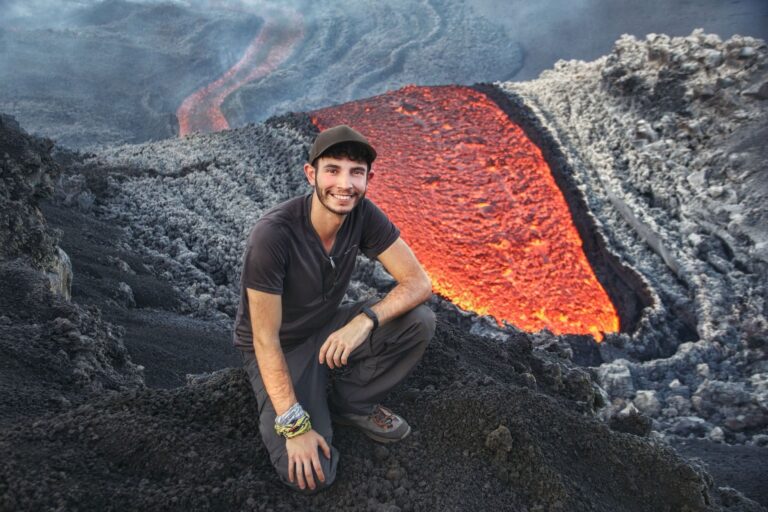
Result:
[[27, 171], [73, 436], [55, 353], [197, 447]]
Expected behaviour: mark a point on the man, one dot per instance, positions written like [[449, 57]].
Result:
[[291, 327]]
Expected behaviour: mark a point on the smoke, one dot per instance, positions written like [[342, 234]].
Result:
[[121, 68], [586, 29], [87, 71]]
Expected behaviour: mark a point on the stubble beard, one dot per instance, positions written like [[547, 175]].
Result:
[[322, 197]]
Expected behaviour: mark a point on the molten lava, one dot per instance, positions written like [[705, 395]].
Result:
[[476, 201], [201, 111]]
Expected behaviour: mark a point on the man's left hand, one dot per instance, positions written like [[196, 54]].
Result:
[[340, 344]]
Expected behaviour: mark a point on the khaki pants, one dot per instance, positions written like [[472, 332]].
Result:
[[374, 368]]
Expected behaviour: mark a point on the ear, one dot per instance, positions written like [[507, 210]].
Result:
[[370, 174], [309, 172]]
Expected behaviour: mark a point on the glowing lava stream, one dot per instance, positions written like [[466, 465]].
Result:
[[201, 111], [476, 201]]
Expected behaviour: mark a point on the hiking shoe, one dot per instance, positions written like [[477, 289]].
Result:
[[381, 425]]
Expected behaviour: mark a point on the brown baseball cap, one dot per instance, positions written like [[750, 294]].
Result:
[[336, 135]]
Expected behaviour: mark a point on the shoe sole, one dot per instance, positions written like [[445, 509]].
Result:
[[342, 421]]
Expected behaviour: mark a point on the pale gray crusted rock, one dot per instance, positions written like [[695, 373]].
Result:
[[616, 379], [666, 139], [645, 400]]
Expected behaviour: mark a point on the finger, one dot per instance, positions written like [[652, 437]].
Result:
[[337, 356], [323, 351], [330, 357], [318, 467], [345, 356], [300, 474], [308, 474], [326, 449], [291, 468]]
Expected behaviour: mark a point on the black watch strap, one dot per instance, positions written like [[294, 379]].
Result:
[[370, 314]]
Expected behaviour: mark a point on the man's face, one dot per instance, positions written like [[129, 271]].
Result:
[[340, 183]]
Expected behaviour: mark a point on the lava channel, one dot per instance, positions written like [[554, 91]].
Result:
[[201, 111], [477, 202]]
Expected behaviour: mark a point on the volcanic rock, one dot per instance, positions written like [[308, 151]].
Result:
[[55, 353], [631, 421], [27, 172], [496, 421], [663, 138], [646, 402]]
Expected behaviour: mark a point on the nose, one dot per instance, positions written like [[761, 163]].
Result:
[[344, 180]]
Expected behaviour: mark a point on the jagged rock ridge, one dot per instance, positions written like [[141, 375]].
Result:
[[662, 136]]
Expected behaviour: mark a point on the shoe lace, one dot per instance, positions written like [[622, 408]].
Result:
[[382, 417]]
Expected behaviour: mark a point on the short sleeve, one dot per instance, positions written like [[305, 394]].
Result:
[[378, 231], [265, 259]]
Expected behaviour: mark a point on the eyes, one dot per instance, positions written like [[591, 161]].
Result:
[[333, 171]]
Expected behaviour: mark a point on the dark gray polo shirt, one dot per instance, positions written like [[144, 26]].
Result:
[[284, 256]]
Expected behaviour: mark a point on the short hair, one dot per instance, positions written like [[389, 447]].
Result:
[[355, 151]]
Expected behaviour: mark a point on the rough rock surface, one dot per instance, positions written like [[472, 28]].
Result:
[[188, 204], [169, 345], [55, 353], [497, 423], [26, 170], [665, 139], [197, 447]]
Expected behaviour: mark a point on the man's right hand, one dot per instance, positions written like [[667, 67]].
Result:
[[302, 457]]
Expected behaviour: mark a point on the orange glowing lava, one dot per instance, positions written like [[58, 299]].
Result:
[[201, 111], [476, 201]]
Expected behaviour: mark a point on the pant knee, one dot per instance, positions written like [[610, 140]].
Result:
[[424, 319], [329, 473]]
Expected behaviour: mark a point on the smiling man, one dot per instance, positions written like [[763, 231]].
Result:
[[291, 327]]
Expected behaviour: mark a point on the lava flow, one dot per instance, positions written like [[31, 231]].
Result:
[[477, 202], [201, 111]]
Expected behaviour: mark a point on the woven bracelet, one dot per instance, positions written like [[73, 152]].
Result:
[[296, 428]]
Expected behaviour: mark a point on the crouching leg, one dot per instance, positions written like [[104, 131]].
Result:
[[309, 385]]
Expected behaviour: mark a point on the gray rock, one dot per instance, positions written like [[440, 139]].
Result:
[[716, 434], [616, 378], [714, 393], [759, 91], [60, 275], [630, 421], [647, 402], [499, 441], [690, 425], [124, 295], [381, 278], [747, 52], [680, 403], [711, 58]]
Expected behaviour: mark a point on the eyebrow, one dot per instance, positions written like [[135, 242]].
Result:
[[334, 166]]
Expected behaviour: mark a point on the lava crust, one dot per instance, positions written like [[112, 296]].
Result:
[[502, 421]]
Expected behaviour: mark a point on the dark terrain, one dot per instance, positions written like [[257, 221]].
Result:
[[496, 425]]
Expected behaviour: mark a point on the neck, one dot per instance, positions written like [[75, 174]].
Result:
[[325, 222]]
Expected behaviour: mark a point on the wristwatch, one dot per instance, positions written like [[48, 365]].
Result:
[[370, 314]]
